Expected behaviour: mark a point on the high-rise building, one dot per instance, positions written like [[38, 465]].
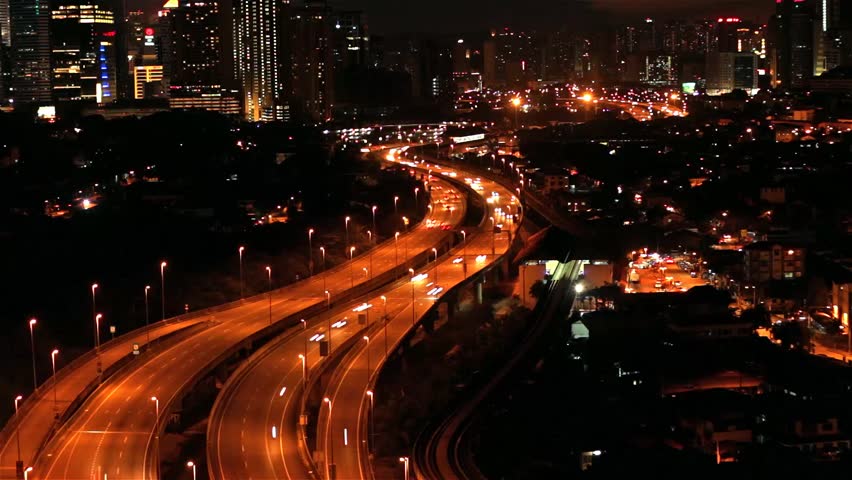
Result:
[[796, 22], [83, 52], [312, 66], [5, 50], [163, 40], [518, 58], [726, 34], [489, 62], [727, 71], [201, 65], [351, 40], [262, 57], [30, 57]]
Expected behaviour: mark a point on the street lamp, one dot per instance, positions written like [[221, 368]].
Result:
[[327, 300], [33, 321], [331, 444], [191, 464], [304, 369], [242, 289], [435, 251], [396, 246], [413, 312], [370, 253], [347, 230], [53, 355], [310, 251], [27, 472], [372, 433], [416, 200], [405, 461], [395, 201], [367, 339], [157, 433], [322, 250], [163, 289], [464, 253], [98, 318], [385, 301], [517, 103], [493, 234], [18, 428], [374, 223], [147, 316], [94, 301], [351, 274], [269, 278]]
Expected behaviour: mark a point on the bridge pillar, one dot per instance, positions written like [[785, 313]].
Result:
[[478, 293]]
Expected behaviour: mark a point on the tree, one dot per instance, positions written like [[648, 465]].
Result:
[[538, 290]]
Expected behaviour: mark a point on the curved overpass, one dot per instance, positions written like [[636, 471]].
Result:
[[113, 432]]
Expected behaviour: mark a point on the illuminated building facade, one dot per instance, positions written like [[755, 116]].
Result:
[[262, 57], [147, 81], [795, 21], [312, 66], [83, 52], [30, 60]]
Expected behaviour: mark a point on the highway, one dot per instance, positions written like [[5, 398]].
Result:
[[266, 393], [343, 431], [37, 411], [113, 433]]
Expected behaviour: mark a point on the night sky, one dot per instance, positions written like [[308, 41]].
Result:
[[445, 16]]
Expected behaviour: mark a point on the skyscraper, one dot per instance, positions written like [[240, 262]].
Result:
[[83, 52], [312, 60], [5, 50], [201, 59], [795, 21], [30, 58], [351, 39], [262, 57]]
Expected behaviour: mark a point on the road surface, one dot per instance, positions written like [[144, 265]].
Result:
[[343, 433], [267, 394], [113, 433], [38, 421]]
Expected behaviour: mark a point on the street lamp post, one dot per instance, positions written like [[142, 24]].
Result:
[[310, 251], [163, 290], [53, 355], [367, 339], [322, 250], [370, 253], [372, 432], [435, 251], [27, 473], [347, 230], [242, 283], [94, 300], [404, 460], [464, 253], [385, 300], [493, 234], [147, 316], [191, 464], [327, 300], [98, 318], [33, 321], [395, 201], [374, 223], [413, 310], [18, 428], [396, 246], [351, 274], [269, 278], [157, 433], [331, 443], [304, 369], [416, 198]]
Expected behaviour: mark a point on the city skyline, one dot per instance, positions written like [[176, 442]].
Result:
[[391, 17]]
